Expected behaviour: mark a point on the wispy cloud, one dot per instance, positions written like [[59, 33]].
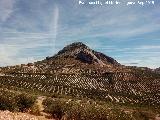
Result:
[[148, 47], [31, 28], [6, 9], [8, 56], [54, 26]]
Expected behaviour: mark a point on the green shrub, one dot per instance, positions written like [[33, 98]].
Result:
[[7, 104], [54, 107], [7, 100], [13, 101], [74, 110], [35, 109], [25, 102], [143, 115]]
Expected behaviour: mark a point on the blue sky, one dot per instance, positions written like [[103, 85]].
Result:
[[30, 30]]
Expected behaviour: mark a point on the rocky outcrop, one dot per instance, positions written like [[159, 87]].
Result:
[[85, 54]]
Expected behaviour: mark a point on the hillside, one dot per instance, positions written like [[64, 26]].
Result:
[[74, 58], [80, 73]]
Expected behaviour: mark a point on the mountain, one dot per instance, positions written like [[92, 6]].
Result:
[[83, 53], [74, 58]]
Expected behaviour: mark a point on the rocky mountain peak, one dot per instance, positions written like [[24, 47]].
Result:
[[74, 47], [83, 53]]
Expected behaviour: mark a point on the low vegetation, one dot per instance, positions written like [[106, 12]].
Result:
[[13, 101], [71, 109]]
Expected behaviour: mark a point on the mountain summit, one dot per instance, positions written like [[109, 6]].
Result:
[[81, 52]]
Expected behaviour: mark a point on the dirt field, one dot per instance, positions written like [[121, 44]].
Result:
[[6, 115]]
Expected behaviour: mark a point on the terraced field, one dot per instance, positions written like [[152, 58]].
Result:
[[109, 87]]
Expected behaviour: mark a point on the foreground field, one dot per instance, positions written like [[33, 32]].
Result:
[[7, 115], [36, 106]]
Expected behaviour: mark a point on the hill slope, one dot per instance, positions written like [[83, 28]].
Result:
[[157, 70], [79, 72], [74, 58]]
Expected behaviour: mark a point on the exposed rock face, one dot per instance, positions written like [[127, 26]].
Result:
[[73, 48], [105, 58], [85, 54], [88, 57], [84, 57]]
